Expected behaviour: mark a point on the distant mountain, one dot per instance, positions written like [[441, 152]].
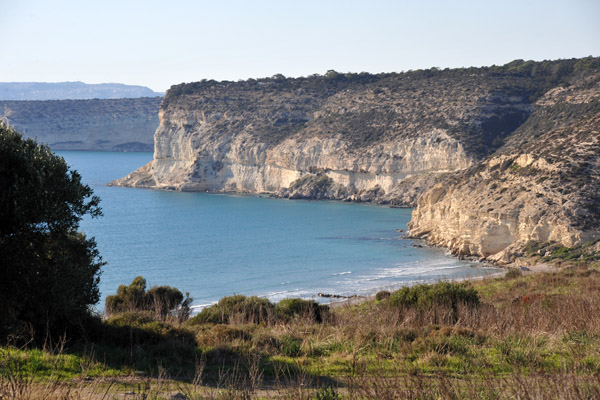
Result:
[[95, 125], [71, 90]]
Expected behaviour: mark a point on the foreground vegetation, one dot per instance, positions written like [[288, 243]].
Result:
[[520, 336], [523, 335]]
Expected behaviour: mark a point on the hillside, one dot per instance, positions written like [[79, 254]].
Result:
[[71, 90], [101, 125], [543, 185]]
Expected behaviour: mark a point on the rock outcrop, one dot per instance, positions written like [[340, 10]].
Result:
[[504, 155], [100, 125], [348, 137], [543, 185]]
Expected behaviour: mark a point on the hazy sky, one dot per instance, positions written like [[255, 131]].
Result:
[[160, 43]]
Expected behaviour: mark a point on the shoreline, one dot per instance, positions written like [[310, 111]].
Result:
[[350, 301], [532, 269], [357, 299], [340, 298]]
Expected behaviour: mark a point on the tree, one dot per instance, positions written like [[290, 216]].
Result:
[[49, 271], [332, 74]]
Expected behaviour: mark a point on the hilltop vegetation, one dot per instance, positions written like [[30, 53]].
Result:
[[376, 107]]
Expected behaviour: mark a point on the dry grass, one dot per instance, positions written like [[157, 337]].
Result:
[[531, 337]]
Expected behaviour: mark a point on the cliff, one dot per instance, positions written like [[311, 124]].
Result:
[[102, 125], [339, 136], [543, 185], [498, 156]]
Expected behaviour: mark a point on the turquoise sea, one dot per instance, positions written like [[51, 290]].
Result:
[[214, 245]]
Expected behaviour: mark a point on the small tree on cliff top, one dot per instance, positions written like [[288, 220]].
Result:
[[49, 272]]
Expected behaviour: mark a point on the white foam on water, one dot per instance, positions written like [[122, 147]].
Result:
[[388, 278], [199, 307]]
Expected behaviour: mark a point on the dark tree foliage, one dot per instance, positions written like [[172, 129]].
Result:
[[49, 272]]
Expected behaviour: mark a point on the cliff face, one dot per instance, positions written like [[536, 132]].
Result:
[[498, 156], [349, 137], [102, 125], [542, 185]]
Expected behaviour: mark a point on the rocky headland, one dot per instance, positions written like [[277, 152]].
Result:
[[497, 156], [100, 124], [337, 136], [542, 186]]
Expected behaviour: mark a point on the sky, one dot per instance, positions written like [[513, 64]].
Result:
[[161, 43]]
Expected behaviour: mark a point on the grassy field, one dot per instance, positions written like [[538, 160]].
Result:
[[526, 336]]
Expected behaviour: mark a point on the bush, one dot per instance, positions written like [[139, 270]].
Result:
[[310, 310], [238, 308], [162, 300], [382, 295], [128, 298], [442, 293]]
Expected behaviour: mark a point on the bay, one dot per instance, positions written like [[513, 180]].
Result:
[[216, 245]]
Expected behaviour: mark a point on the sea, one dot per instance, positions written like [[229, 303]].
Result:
[[216, 245]]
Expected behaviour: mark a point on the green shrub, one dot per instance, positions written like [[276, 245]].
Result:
[[442, 293], [128, 298], [162, 300], [382, 295], [238, 308], [310, 310], [582, 252]]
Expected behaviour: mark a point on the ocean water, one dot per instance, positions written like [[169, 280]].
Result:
[[214, 245]]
